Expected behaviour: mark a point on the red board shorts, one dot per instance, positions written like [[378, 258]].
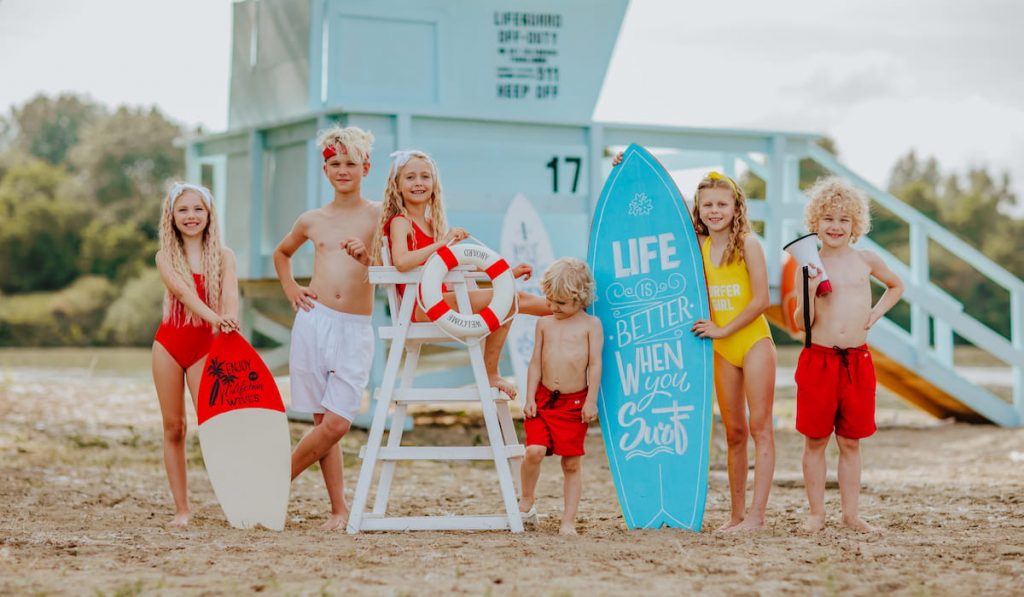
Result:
[[558, 425], [835, 391]]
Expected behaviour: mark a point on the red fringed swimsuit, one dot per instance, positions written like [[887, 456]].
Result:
[[184, 342]]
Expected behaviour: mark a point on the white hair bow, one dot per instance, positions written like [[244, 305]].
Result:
[[402, 156], [181, 187]]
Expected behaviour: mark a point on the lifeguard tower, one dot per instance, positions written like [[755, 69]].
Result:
[[502, 95]]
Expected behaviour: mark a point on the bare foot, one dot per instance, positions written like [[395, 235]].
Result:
[[335, 522], [499, 382], [181, 519], [856, 524], [749, 524], [567, 528], [814, 523], [729, 525]]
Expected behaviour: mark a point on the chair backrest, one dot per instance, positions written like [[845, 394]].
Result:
[[394, 301]]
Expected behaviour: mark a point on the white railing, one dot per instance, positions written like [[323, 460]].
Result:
[[774, 156], [926, 306]]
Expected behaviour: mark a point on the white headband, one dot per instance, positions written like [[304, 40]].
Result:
[[181, 187], [402, 157]]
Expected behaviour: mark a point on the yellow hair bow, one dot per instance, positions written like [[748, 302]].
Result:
[[713, 175]]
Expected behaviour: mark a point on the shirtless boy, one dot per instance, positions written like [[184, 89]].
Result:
[[332, 338], [562, 383], [835, 377]]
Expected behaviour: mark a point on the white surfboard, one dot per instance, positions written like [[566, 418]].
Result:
[[243, 431], [524, 239]]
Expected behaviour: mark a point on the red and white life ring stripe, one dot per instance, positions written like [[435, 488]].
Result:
[[461, 325]]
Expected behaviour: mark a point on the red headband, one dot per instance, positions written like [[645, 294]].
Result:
[[331, 150]]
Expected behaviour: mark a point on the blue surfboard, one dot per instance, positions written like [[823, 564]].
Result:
[[656, 385]]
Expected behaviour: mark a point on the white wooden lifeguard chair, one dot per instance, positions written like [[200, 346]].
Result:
[[407, 337]]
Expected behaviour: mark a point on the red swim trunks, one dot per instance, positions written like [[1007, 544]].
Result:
[[558, 425], [835, 390]]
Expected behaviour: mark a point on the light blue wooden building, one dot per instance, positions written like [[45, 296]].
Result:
[[502, 95]]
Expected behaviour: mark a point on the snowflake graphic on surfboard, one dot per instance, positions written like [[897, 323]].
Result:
[[656, 383]]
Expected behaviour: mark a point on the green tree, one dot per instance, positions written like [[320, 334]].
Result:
[[971, 206], [117, 250], [40, 233], [40, 243], [47, 128], [28, 178], [7, 134], [126, 158], [134, 315]]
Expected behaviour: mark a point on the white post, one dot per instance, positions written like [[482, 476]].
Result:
[[775, 192], [1017, 337], [919, 275]]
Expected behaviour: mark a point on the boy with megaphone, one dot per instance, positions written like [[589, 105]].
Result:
[[835, 377]]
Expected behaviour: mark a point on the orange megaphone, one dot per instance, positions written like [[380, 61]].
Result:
[[805, 251]]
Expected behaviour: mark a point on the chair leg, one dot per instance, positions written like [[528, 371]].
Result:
[[508, 433], [376, 435], [497, 440], [387, 472]]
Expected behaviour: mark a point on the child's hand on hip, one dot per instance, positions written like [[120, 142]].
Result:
[[299, 297], [873, 318]]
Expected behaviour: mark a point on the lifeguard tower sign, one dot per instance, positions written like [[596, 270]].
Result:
[[500, 93]]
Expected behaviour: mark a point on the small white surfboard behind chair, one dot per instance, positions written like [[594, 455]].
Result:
[[524, 239]]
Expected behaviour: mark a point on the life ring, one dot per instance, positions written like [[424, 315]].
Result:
[[461, 325], [787, 291]]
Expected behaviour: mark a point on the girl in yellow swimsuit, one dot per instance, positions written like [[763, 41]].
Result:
[[745, 358]]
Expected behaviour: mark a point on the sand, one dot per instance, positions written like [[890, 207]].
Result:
[[84, 505]]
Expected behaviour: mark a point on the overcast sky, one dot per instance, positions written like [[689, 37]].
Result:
[[944, 77]]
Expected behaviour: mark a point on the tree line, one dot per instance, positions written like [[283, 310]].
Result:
[[80, 196], [80, 189], [978, 206]]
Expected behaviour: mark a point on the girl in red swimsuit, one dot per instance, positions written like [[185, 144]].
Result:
[[201, 299], [413, 210]]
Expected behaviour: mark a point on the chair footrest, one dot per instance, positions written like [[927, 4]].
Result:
[[428, 332], [435, 395], [444, 452], [432, 523]]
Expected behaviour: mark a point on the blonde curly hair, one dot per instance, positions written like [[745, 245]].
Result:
[[833, 193], [354, 140], [393, 203], [740, 222], [173, 246], [569, 280]]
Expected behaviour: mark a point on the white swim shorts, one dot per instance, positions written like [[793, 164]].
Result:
[[330, 360]]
